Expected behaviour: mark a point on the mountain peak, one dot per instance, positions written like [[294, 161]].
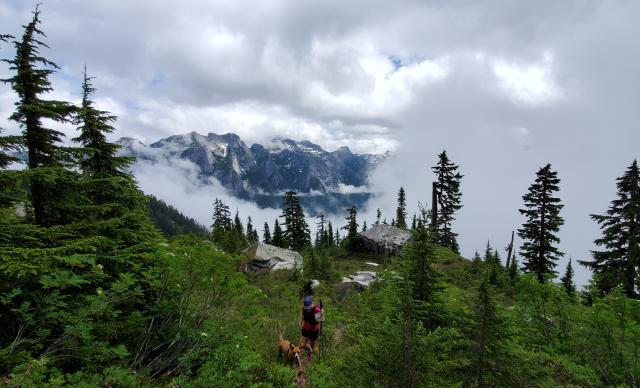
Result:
[[259, 171]]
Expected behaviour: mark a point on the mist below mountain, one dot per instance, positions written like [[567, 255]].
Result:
[[326, 181]]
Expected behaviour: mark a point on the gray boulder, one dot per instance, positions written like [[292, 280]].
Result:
[[268, 257], [357, 281], [385, 239]]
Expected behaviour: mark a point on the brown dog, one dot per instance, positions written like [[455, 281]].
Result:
[[288, 349]]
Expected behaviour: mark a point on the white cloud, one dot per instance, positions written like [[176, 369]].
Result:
[[531, 84]]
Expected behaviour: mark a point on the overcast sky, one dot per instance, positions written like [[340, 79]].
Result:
[[504, 86]]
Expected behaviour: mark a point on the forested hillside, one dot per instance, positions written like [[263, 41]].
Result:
[[93, 294], [170, 221]]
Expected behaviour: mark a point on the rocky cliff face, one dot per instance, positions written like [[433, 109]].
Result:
[[263, 172]]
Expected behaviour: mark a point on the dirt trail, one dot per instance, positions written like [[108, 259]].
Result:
[[302, 381]]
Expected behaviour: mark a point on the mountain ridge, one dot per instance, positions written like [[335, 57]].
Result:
[[263, 172]]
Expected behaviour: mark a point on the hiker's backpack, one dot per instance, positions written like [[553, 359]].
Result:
[[310, 314]]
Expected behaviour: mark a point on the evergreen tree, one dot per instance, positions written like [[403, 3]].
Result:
[[237, 224], [312, 267], [489, 339], [494, 267], [31, 82], [364, 225], [321, 240], [250, 231], [378, 215], [351, 241], [266, 234], [567, 280], [104, 177], [278, 239], [296, 233], [221, 221], [542, 211], [337, 239], [496, 259], [330, 237], [449, 200], [618, 263], [425, 281], [414, 223], [401, 210], [476, 262], [100, 157]]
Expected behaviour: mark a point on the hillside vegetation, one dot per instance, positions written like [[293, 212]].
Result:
[[93, 294]]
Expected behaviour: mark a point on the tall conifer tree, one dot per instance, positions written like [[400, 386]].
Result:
[[447, 187], [401, 210], [101, 157], [618, 263], [31, 82], [266, 234], [277, 238], [543, 221], [296, 233], [567, 280], [351, 241]]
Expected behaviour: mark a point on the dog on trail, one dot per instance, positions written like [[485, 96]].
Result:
[[287, 349]]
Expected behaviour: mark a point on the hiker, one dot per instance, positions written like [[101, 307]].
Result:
[[310, 325]]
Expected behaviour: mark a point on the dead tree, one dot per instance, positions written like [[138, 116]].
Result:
[[509, 250]]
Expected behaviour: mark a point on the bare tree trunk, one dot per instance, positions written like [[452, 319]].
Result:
[[510, 250], [434, 211]]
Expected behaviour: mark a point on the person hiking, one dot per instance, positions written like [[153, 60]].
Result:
[[310, 325]]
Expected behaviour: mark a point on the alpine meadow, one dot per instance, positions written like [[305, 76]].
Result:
[[342, 247]]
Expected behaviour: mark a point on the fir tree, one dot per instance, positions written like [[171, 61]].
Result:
[[221, 221], [238, 227], [103, 171], [277, 239], [414, 222], [542, 211], [618, 263], [449, 200], [567, 280], [364, 225], [351, 241], [401, 210], [476, 262], [489, 336], [337, 238], [296, 233], [378, 216], [100, 157], [321, 240], [31, 82], [250, 232], [496, 259], [330, 237], [266, 234]]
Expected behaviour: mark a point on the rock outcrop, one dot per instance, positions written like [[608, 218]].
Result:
[[268, 257], [385, 239], [357, 281]]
